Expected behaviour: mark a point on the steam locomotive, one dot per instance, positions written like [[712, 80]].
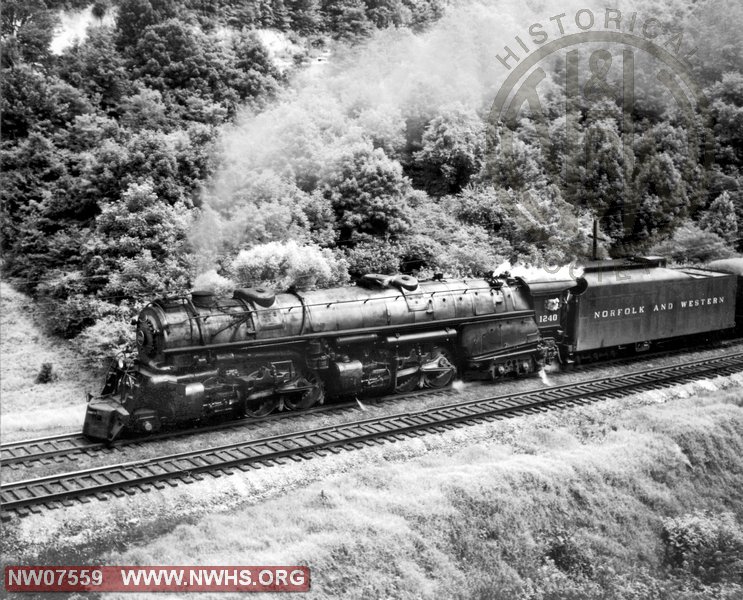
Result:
[[201, 356]]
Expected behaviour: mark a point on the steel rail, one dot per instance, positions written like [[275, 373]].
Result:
[[63, 445], [27, 496], [68, 446]]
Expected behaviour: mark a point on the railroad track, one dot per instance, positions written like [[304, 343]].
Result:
[[33, 495], [52, 448], [60, 448]]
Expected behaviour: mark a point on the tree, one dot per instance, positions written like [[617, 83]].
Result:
[[99, 9], [544, 227], [692, 245], [281, 265], [720, 218], [265, 209], [440, 241], [385, 13], [665, 187], [135, 16], [196, 157], [194, 70], [171, 55], [346, 19], [424, 12], [137, 245], [437, 241], [660, 201], [517, 165], [253, 73], [368, 192], [453, 148], [480, 205], [29, 173], [279, 16], [144, 109], [726, 107], [96, 67], [305, 16], [26, 33], [602, 186], [31, 100]]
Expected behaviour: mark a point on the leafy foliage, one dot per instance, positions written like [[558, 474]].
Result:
[[453, 150], [178, 143], [46, 373], [135, 244], [709, 546], [726, 98], [689, 244], [97, 68], [109, 336], [77, 312], [567, 555], [27, 28], [33, 101], [367, 191], [135, 16], [720, 218], [285, 265]]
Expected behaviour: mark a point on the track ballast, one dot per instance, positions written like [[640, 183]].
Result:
[[33, 495], [59, 448]]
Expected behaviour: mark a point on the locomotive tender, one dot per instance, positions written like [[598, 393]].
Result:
[[257, 352]]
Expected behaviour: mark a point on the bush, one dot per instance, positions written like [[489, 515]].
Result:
[[480, 205], [108, 337], [705, 545], [368, 191], [690, 244], [215, 283], [374, 255], [79, 312], [453, 150], [567, 555], [46, 373], [451, 246], [59, 284], [282, 265], [73, 315]]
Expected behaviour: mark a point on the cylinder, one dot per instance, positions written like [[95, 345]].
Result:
[[348, 375]]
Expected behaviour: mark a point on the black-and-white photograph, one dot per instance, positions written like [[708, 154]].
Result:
[[371, 299]]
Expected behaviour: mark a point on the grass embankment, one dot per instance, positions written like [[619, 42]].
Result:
[[563, 505], [29, 408]]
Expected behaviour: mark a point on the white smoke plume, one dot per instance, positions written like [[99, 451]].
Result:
[[373, 93]]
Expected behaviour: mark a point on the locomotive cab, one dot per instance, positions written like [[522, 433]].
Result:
[[551, 299]]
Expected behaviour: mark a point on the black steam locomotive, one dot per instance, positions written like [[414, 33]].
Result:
[[257, 352]]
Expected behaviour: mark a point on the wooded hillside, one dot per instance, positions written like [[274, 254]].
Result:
[[175, 148]]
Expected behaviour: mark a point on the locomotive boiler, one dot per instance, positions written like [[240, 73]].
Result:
[[201, 355]]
